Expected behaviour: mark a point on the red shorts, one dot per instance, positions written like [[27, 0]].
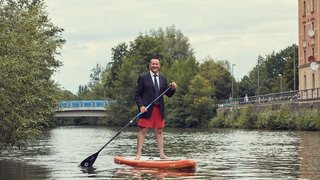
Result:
[[155, 121]]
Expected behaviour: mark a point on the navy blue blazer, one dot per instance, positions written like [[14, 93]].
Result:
[[146, 93]]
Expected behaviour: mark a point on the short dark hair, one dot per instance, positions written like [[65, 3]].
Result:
[[155, 57]]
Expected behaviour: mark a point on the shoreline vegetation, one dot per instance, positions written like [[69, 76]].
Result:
[[244, 117], [282, 119]]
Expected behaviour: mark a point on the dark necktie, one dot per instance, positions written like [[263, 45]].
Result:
[[156, 85]]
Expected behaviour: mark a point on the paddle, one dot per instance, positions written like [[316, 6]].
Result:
[[88, 162]]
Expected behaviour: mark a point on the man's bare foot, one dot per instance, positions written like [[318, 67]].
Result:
[[137, 158], [163, 157]]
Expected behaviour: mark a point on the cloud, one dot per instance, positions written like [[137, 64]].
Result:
[[233, 30]]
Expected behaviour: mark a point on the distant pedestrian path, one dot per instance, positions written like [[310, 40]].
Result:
[[298, 95]]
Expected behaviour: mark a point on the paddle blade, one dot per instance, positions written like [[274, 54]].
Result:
[[88, 162]]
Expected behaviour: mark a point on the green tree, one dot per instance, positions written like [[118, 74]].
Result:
[[124, 89], [131, 61], [199, 97], [265, 78], [84, 92], [258, 80], [290, 54], [181, 72], [218, 76], [66, 95], [95, 75], [110, 73], [176, 45], [28, 45], [246, 86]]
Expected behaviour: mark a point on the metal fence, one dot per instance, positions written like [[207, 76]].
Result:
[[310, 94], [298, 95]]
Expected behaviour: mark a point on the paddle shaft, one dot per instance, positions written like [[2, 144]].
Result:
[[131, 121], [91, 159]]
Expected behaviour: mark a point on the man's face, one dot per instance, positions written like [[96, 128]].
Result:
[[154, 65]]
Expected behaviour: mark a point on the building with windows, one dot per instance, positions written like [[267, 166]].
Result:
[[309, 72]]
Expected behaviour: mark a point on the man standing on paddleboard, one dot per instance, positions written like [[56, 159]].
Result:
[[150, 85]]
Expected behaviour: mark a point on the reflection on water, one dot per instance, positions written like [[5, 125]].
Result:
[[138, 173], [10, 169], [309, 156], [219, 154]]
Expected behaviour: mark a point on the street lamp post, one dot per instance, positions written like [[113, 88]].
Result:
[[232, 80], [294, 68], [258, 77], [280, 75]]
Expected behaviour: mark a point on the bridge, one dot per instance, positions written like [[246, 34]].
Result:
[[83, 108]]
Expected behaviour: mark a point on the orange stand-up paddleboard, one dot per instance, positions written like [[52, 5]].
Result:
[[181, 164]]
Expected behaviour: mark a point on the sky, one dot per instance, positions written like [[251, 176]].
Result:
[[234, 30]]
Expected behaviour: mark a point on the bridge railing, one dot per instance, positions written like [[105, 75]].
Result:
[[84, 104], [265, 98], [298, 95], [308, 94]]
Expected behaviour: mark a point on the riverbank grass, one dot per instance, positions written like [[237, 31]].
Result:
[[282, 119]]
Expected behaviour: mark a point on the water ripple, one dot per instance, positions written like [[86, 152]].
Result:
[[219, 154]]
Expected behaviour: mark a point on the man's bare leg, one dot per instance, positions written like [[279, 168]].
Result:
[[159, 138], [140, 140]]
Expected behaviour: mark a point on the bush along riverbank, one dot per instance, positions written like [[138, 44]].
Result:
[[281, 119]]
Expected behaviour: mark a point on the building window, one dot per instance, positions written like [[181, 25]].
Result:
[[305, 82], [304, 8], [304, 32], [313, 81], [312, 6], [304, 56]]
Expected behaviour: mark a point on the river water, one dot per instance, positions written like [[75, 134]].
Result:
[[219, 154]]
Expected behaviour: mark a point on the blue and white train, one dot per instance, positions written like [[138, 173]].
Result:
[[85, 104]]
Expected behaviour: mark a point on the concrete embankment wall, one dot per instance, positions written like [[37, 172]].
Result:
[[259, 107]]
